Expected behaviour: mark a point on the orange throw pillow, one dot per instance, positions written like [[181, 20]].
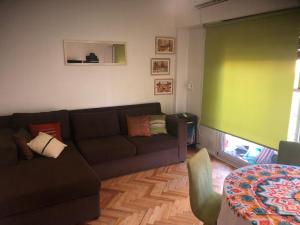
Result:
[[138, 126], [52, 129]]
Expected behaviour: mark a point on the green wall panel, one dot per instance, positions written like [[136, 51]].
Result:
[[249, 74]]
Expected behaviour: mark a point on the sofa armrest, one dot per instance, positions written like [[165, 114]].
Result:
[[178, 128], [8, 148]]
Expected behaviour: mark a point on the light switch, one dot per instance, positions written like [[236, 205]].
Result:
[[190, 86]]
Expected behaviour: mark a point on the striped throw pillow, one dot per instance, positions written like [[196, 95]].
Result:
[[158, 124], [265, 156]]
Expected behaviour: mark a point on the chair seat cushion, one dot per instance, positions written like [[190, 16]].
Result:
[[103, 149], [154, 143], [43, 182]]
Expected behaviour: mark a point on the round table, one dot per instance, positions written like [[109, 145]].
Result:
[[266, 194]]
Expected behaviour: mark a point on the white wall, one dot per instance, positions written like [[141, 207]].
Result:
[[182, 70], [33, 76], [195, 69], [240, 8], [186, 14]]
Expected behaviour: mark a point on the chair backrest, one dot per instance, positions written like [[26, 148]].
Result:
[[289, 153], [200, 180]]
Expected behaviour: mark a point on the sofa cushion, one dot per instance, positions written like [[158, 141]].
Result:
[[42, 182], [22, 120], [105, 149], [154, 143], [46, 145], [8, 148], [52, 129], [22, 137], [95, 124], [138, 126], [136, 110], [158, 124]]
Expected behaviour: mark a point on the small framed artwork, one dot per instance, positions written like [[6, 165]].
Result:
[[164, 45], [163, 86], [160, 66]]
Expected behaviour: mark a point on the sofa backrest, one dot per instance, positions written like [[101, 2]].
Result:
[[112, 119], [22, 120], [122, 112], [5, 121], [8, 150], [96, 123]]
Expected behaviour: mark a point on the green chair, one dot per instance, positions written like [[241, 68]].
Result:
[[205, 203], [289, 153]]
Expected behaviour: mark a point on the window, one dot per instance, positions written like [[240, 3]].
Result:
[[294, 124], [241, 152]]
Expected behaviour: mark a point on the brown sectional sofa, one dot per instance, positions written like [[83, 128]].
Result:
[[66, 190], [126, 154], [45, 190]]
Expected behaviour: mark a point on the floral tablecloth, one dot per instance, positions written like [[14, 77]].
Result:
[[266, 194]]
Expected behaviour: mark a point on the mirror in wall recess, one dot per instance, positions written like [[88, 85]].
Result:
[[94, 52]]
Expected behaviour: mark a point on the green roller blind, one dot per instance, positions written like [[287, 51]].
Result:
[[248, 76]]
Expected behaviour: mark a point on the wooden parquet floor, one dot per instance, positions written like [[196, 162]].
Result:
[[154, 197]]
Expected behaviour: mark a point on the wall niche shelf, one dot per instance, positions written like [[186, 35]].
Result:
[[94, 53]]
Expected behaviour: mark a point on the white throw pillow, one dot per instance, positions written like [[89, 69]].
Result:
[[46, 145]]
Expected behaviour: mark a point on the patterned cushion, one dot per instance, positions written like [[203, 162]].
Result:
[[158, 124], [138, 126], [52, 129], [136, 110]]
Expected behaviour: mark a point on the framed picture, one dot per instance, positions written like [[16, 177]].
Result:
[[160, 66], [164, 45], [163, 86]]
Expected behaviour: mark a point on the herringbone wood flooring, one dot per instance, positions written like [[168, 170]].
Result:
[[154, 197]]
